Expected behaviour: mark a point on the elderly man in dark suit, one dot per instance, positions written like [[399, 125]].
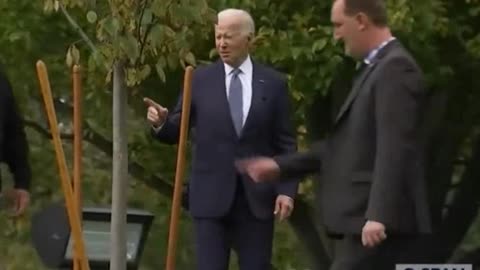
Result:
[[372, 189], [239, 109], [14, 148]]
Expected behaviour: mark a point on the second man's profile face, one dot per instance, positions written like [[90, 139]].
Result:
[[346, 29], [231, 43]]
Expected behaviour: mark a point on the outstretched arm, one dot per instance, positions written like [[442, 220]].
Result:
[[301, 164], [284, 167]]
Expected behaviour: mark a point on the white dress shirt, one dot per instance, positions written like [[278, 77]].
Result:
[[245, 76]]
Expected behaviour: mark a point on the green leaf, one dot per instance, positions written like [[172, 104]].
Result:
[[48, 6], [190, 59], [147, 16], [15, 36], [112, 26], [145, 72], [213, 52], [129, 45], [91, 64], [474, 11], [172, 61], [296, 52], [169, 32], [97, 57], [155, 36], [297, 95], [131, 77], [162, 61], [158, 8], [319, 45]]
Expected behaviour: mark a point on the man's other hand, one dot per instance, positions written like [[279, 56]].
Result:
[[260, 169], [283, 207], [373, 233], [156, 113], [17, 201]]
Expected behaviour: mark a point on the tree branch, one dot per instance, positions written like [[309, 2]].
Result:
[[143, 41], [46, 133], [156, 182], [78, 28], [142, 12]]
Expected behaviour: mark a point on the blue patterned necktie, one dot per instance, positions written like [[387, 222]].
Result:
[[235, 99]]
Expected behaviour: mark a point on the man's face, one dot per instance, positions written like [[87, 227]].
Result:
[[348, 29], [232, 45]]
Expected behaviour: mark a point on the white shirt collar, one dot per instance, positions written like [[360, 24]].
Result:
[[371, 55], [246, 67]]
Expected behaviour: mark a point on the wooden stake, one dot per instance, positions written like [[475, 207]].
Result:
[[177, 192], [77, 152], [72, 208]]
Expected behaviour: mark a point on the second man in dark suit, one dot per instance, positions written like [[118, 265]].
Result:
[[372, 189], [239, 109]]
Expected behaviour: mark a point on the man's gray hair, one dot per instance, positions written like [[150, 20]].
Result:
[[247, 24]]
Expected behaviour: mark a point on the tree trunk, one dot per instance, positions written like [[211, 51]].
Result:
[[464, 208], [118, 243]]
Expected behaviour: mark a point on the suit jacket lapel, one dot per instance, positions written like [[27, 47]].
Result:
[[357, 85], [258, 95]]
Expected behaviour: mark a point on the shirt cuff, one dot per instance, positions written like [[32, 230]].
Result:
[[157, 129]]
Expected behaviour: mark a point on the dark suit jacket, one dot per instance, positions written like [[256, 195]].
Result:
[[371, 167], [267, 132], [13, 143]]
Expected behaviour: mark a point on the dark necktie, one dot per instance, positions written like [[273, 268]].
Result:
[[235, 99]]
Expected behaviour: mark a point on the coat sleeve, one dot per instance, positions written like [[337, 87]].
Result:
[[15, 146], [399, 94], [300, 164], [169, 132]]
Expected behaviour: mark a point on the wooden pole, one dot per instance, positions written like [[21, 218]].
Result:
[[77, 152], [72, 209], [177, 191]]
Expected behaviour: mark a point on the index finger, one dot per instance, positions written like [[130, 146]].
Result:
[[150, 102], [284, 212], [364, 239]]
